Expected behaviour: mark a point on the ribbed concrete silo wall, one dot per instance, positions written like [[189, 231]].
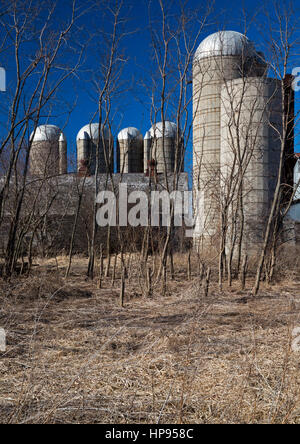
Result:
[[251, 121], [147, 152], [131, 155], [83, 147], [44, 158], [94, 146], [289, 155], [118, 156], [163, 153], [106, 158], [209, 74], [63, 161], [179, 156], [86, 154]]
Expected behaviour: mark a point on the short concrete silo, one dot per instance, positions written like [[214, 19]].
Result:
[[147, 150], [222, 56], [131, 150], [250, 153], [89, 140], [163, 149], [63, 160], [48, 155]]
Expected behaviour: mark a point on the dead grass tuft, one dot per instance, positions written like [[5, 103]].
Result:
[[75, 356]]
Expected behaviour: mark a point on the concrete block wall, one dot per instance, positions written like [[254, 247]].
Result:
[[53, 234]]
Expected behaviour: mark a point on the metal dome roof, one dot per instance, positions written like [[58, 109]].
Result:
[[62, 138], [225, 43], [157, 129], [129, 133], [91, 130], [147, 135], [46, 132]]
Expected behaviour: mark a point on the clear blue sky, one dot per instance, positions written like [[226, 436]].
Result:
[[132, 107]]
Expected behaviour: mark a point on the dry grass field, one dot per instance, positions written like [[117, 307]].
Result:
[[75, 356]]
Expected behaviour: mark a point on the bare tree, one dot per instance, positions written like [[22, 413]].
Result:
[[174, 42], [283, 44], [39, 76], [107, 83]]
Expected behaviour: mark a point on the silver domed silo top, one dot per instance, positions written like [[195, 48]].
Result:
[[91, 131], [129, 133], [157, 130], [225, 43], [147, 136], [46, 132], [62, 138]]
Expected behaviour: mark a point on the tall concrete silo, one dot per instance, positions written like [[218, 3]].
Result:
[[63, 160], [131, 150], [48, 156], [162, 147], [251, 122], [88, 139], [223, 56]]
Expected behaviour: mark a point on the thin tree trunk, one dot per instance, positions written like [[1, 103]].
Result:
[[108, 257], [189, 268], [100, 266], [207, 282], [73, 236], [114, 270], [122, 288], [243, 272]]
